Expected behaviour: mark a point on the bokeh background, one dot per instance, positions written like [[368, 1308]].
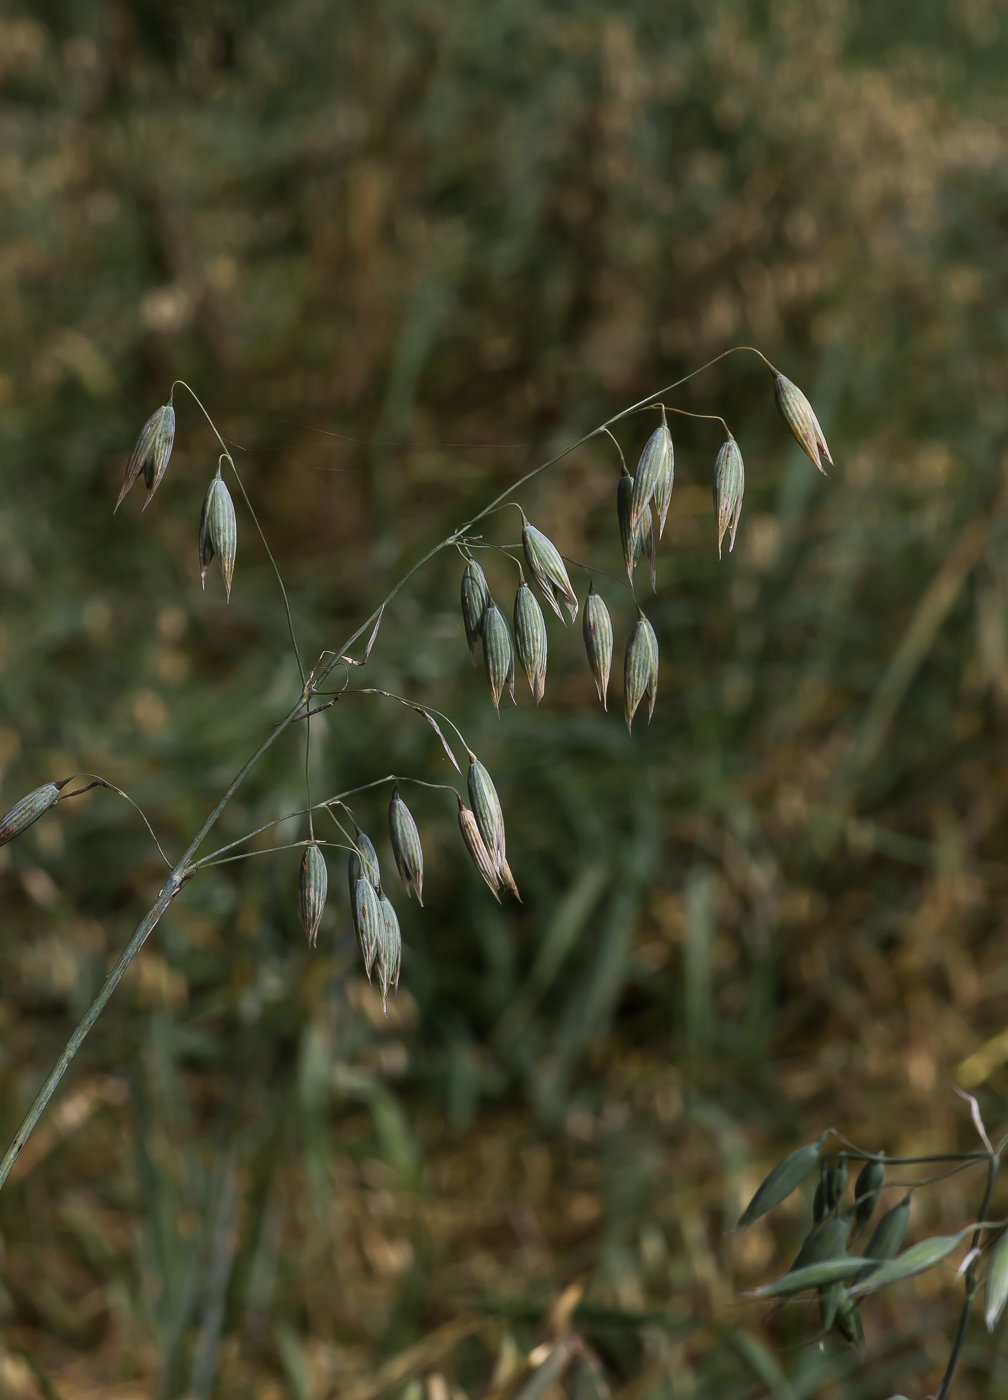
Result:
[[404, 251]]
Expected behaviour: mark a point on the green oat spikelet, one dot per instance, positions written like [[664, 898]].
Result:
[[530, 638], [888, 1233], [548, 570], [651, 470], [313, 885], [867, 1190], [498, 654], [797, 413], [785, 1177], [477, 850], [596, 624], [388, 953], [475, 597], [150, 453], [489, 815], [663, 490], [28, 809], [729, 488], [629, 537], [218, 532], [367, 921], [406, 848]]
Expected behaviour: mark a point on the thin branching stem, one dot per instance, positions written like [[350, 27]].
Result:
[[185, 868]]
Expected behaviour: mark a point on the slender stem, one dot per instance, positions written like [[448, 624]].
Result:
[[255, 518], [176, 879], [712, 417], [104, 782], [271, 850], [307, 775], [971, 1284]]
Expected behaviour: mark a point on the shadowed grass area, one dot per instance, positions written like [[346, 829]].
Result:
[[405, 252]]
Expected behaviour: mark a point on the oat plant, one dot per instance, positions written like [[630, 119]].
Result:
[[842, 1264], [542, 573]]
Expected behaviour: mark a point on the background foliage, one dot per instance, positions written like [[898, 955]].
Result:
[[403, 251]]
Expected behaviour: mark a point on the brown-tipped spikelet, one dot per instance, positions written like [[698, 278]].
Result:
[[28, 809], [640, 669], [490, 820], [596, 625], [150, 453], [367, 920], [548, 570], [530, 638], [487, 810], [406, 846], [729, 487], [797, 413], [651, 472], [475, 596], [388, 954], [498, 653], [629, 537], [663, 490], [313, 886], [477, 851], [218, 532]]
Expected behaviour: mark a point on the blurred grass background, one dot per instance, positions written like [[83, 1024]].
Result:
[[404, 251]]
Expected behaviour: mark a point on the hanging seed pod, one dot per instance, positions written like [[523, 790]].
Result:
[[28, 809], [218, 532], [797, 413], [367, 921], [406, 846], [313, 885], [477, 851], [530, 638], [650, 470], [548, 570], [888, 1233], [848, 1321], [785, 1177], [363, 861], [475, 596], [640, 669], [487, 810], [498, 653], [867, 1189], [388, 955], [834, 1182], [663, 490], [996, 1283], [150, 453], [729, 487], [629, 537], [596, 624]]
